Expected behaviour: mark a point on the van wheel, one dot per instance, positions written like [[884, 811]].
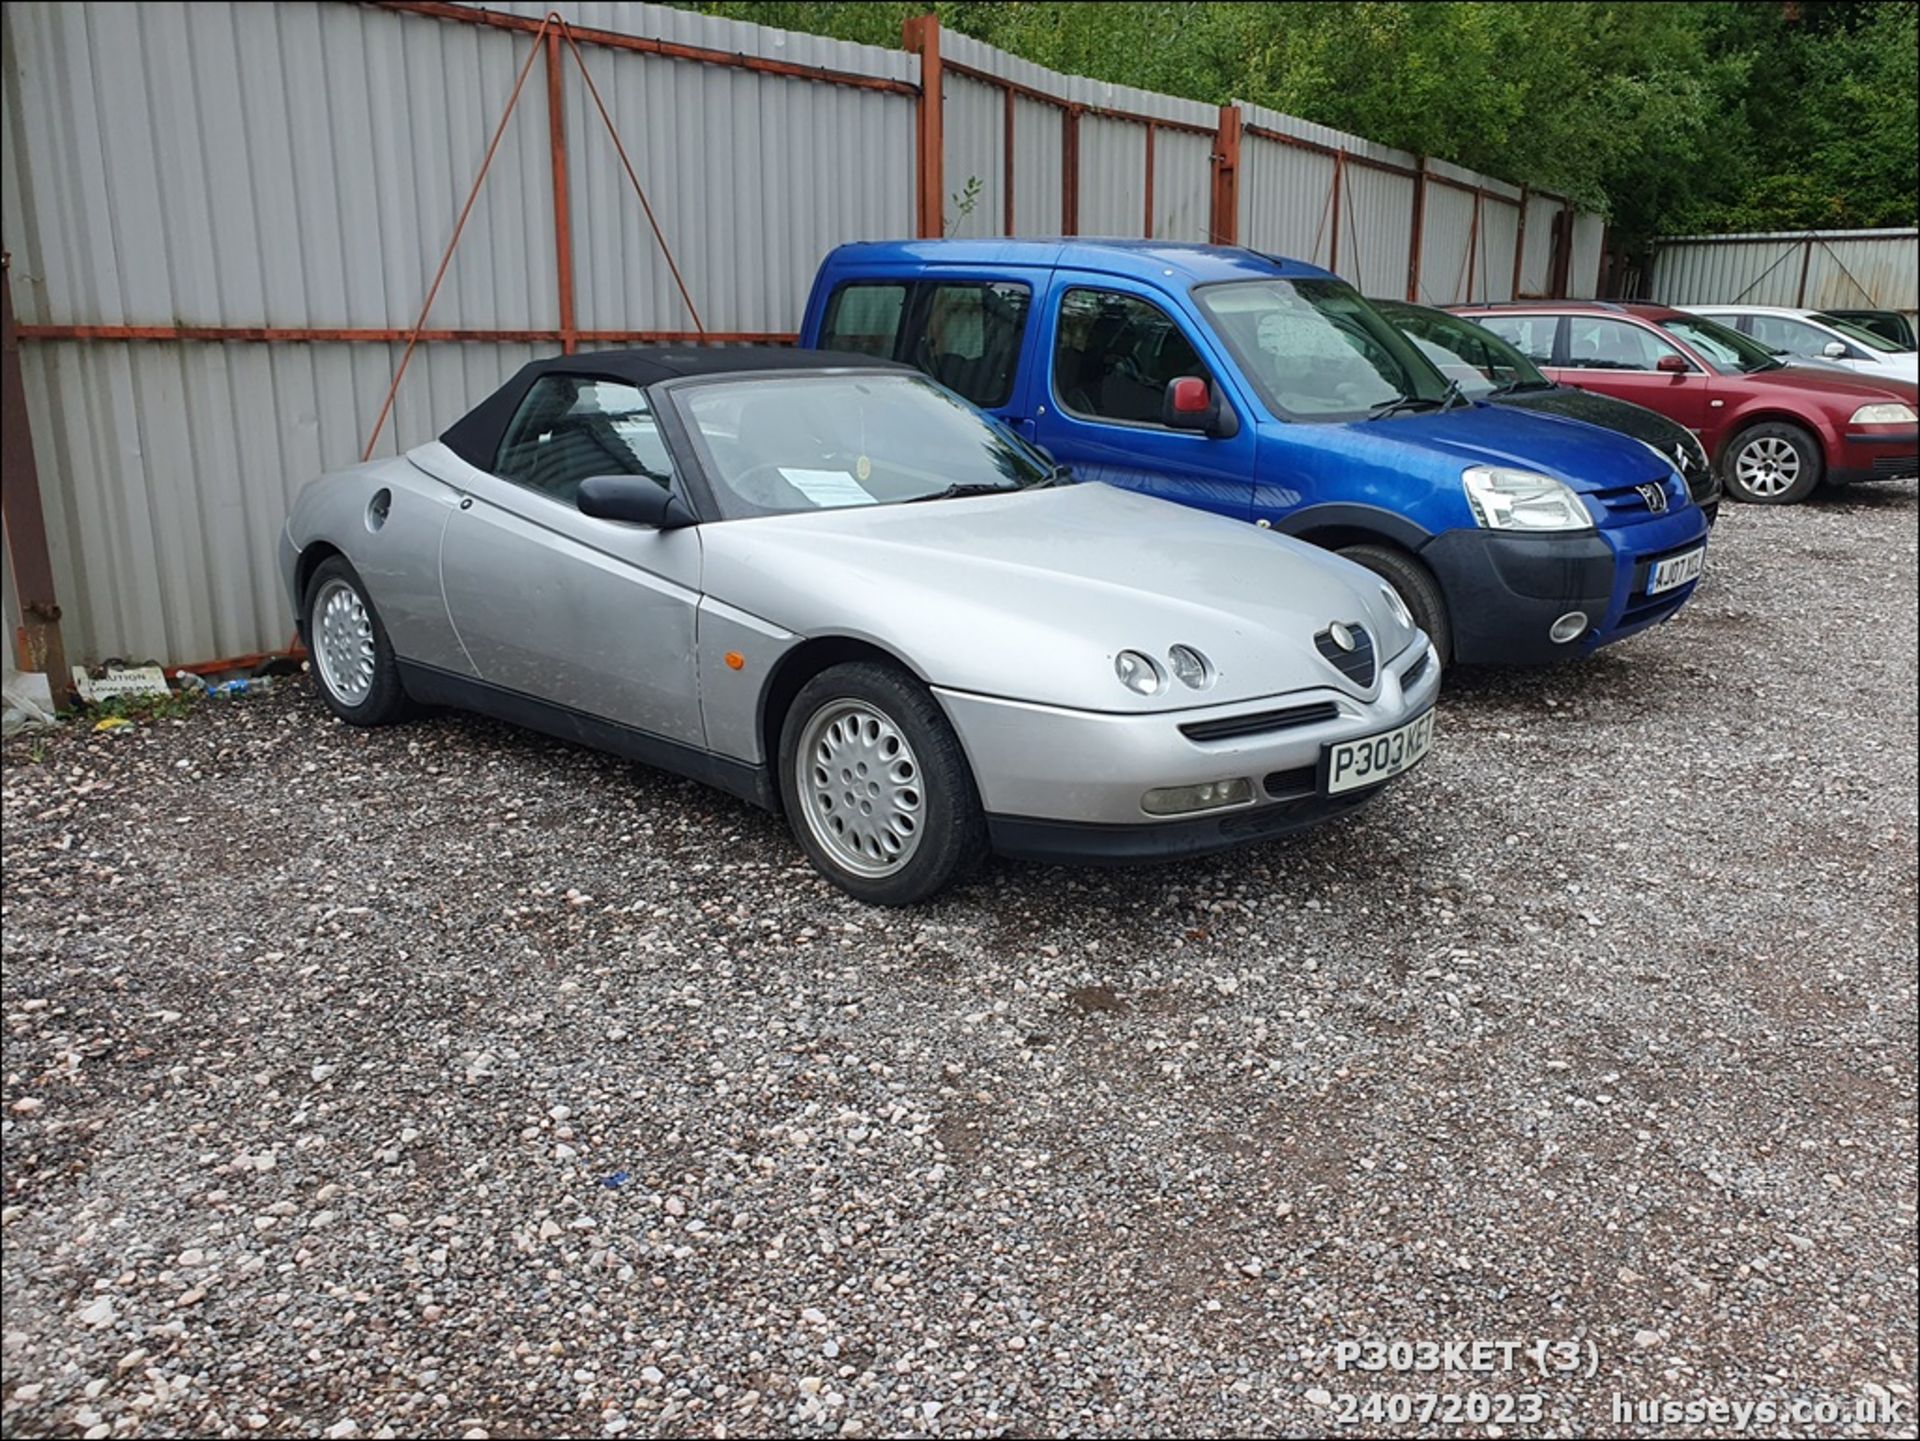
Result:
[[1417, 589], [1773, 464], [876, 787]]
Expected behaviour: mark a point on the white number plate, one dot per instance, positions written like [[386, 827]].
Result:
[[1676, 570], [1350, 765]]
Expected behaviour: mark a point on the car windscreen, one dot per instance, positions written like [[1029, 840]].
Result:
[[1315, 350], [1482, 363], [1723, 348], [1859, 335], [781, 445]]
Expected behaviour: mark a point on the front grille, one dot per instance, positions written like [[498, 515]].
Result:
[[1624, 505], [1260, 722], [1413, 672], [1895, 467], [1290, 785], [1357, 665], [1655, 607]]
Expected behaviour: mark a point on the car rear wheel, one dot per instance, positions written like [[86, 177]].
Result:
[[1417, 589], [354, 666], [1773, 463], [876, 786]]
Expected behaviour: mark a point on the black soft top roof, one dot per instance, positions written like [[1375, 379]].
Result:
[[475, 437]]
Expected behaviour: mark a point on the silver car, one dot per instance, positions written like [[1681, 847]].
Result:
[[833, 588]]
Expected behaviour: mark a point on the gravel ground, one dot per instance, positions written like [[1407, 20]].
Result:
[[447, 1080]]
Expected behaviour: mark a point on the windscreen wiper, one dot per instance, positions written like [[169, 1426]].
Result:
[[1403, 402], [1514, 387], [1419, 402], [954, 492]]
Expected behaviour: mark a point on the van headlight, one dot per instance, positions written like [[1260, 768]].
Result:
[[1504, 499], [1890, 412]]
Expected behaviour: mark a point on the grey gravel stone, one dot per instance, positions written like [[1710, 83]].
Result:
[[447, 1080]]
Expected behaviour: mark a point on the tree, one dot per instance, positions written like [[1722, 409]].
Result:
[[1701, 114]]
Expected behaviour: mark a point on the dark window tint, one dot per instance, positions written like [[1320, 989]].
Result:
[[864, 318], [1531, 335], [971, 340], [1114, 354], [1594, 343], [571, 427]]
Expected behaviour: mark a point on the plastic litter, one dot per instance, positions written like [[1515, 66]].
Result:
[[113, 723], [29, 702], [615, 1181], [246, 685]]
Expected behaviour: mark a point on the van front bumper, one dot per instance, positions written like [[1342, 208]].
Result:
[[1505, 591]]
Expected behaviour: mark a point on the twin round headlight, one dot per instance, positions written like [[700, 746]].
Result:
[[1143, 675]]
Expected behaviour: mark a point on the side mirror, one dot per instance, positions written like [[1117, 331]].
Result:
[[1191, 403], [633, 499], [1834, 349], [1671, 364]]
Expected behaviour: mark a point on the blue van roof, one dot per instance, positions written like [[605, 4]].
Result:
[[1139, 259]]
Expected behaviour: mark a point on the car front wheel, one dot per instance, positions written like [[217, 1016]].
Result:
[[876, 786], [1773, 464], [353, 662]]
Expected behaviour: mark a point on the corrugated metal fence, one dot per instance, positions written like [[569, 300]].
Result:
[[1841, 269], [223, 219]]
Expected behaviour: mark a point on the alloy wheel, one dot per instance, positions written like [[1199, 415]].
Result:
[[343, 642], [861, 789], [1767, 466]]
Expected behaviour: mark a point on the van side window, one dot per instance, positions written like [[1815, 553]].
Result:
[[971, 339], [1113, 356], [865, 319]]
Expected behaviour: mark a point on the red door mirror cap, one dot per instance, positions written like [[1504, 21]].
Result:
[[1671, 364], [1191, 395]]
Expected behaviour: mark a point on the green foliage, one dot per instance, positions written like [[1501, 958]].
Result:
[[149, 708], [1695, 114]]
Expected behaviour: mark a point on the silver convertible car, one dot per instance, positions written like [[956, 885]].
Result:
[[827, 585]]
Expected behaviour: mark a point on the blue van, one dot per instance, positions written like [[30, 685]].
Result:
[[1270, 391]]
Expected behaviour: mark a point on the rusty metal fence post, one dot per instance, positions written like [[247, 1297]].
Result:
[[1224, 223], [921, 34], [29, 561]]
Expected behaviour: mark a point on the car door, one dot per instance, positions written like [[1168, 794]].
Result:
[[1622, 358], [596, 616], [1104, 352]]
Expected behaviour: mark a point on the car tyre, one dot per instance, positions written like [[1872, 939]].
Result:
[[876, 787], [1415, 585], [1772, 463], [354, 667]]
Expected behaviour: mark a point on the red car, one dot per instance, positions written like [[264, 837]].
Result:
[[1775, 432]]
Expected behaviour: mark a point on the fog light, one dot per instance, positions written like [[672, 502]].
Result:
[[1180, 800], [1570, 626]]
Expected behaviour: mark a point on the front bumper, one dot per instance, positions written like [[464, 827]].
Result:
[[1065, 784], [1505, 590], [1875, 455]]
